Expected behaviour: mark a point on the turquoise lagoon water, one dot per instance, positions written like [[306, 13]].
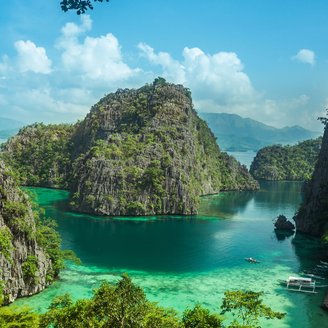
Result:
[[179, 261]]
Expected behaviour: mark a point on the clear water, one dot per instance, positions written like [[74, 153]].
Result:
[[183, 260]]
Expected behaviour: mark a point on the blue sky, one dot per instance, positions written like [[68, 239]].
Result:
[[267, 60]]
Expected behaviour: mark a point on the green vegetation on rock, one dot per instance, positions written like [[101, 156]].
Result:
[[40, 154], [30, 269], [30, 255], [312, 216], [138, 152], [6, 245], [286, 162]]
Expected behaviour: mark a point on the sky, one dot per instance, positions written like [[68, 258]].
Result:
[[266, 60]]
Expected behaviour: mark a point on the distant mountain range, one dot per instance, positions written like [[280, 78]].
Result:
[[235, 133], [8, 128]]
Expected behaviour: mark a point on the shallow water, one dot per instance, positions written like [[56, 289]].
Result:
[[183, 260]]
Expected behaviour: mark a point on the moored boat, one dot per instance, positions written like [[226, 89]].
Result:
[[302, 284]]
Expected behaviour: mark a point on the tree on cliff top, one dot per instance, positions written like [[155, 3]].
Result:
[[81, 6], [324, 120]]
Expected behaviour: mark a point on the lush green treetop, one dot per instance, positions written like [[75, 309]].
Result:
[[81, 6], [247, 307]]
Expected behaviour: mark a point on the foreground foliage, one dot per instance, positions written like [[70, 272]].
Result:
[[81, 6], [125, 305], [248, 308], [286, 162]]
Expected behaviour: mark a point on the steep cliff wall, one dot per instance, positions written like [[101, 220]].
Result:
[[26, 266], [312, 216], [145, 152]]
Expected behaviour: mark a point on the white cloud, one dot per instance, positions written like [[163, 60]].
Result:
[[172, 69], [305, 56], [46, 104], [218, 82], [219, 76], [72, 30], [98, 58], [90, 66], [32, 58]]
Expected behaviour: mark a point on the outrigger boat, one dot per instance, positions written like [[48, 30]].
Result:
[[305, 285], [251, 260]]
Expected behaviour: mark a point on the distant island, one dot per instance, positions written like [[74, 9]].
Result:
[[286, 162], [138, 152], [235, 133]]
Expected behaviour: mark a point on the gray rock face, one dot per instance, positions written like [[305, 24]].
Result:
[[312, 217], [146, 152], [18, 247], [282, 223]]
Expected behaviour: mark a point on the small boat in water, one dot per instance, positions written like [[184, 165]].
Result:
[[251, 260]]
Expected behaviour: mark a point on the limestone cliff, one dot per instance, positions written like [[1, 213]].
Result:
[[312, 217], [138, 152], [26, 267], [145, 151]]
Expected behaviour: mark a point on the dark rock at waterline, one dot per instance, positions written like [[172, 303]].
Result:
[[283, 234], [312, 216], [282, 223], [325, 303]]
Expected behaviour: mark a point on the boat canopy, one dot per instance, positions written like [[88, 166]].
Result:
[[300, 279]]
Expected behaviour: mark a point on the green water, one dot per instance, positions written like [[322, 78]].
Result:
[[183, 260]]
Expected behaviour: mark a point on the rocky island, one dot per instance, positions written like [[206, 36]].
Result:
[[279, 162], [138, 152]]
